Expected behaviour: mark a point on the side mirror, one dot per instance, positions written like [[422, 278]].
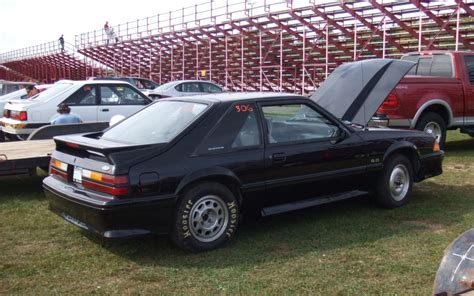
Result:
[[340, 135], [116, 119]]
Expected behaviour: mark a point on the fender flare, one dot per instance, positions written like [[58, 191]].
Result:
[[431, 103], [405, 145], [207, 173]]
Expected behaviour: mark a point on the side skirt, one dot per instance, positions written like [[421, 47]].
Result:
[[311, 202]]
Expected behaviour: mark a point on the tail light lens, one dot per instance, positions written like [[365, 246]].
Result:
[[110, 184], [19, 115], [391, 103], [6, 113], [58, 168]]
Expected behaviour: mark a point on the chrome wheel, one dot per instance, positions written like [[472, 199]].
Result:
[[399, 182], [434, 128], [208, 218]]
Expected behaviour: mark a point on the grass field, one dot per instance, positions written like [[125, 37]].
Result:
[[346, 248]]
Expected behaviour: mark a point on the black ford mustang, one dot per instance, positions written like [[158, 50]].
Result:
[[191, 166]]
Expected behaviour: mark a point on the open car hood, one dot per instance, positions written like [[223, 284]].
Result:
[[354, 91]]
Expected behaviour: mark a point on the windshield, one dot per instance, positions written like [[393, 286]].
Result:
[[50, 92], [166, 86], [159, 123]]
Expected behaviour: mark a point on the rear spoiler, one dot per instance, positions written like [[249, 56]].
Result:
[[91, 146]]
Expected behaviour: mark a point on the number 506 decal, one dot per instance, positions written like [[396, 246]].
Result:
[[243, 108]]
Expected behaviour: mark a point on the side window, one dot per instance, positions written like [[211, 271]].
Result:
[[191, 87], [238, 128], [210, 88], [441, 66], [297, 122], [120, 95], [469, 60], [179, 87], [86, 95]]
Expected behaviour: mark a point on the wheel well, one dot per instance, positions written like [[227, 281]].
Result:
[[410, 154], [438, 109], [230, 183]]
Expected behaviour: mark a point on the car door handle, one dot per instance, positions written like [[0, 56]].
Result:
[[104, 110], [278, 157]]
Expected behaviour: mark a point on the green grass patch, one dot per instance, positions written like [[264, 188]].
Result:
[[345, 248]]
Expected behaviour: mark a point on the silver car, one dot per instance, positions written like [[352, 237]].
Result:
[[180, 88]]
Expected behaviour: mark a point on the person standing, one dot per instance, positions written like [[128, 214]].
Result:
[[61, 42], [106, 30], [65, 116]]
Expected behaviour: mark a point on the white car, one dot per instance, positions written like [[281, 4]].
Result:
[[180, 88], [92, 100], [20, 95]]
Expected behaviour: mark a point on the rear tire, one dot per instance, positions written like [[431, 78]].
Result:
[[433, 123], [206, 217], [395, 184]]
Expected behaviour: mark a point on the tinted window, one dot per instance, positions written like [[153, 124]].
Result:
[[191, 87], [178, 87], [86, 95], [238, 128], [146, 84], [159, 123], [297, 122], [424, 65], [210, 88], [441, 65], [469, 60], [433, 65], [120, 95]]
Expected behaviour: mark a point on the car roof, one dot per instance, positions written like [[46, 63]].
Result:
[[237, 96], [80, 82]]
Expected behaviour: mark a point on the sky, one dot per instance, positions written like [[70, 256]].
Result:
[[25, 23]]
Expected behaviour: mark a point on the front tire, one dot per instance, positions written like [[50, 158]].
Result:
[[206, 217], [434, 124], [395, 184]]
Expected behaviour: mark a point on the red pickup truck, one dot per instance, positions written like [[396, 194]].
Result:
[[437, 94]]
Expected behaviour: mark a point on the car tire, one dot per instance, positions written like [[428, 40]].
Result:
[[395, 184], [433, 123], [206, 217]]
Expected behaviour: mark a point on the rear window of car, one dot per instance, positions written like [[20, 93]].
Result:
[[53, 91], [159, 123], [439, 65]]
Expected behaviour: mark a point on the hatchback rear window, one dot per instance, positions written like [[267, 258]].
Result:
[[159, 123]]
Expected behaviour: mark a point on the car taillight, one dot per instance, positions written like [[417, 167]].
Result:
[[19, 115], [58, 168], [6, 113], [391, 103], [110, 184]]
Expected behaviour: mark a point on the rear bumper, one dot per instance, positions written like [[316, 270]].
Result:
[[113, 218], [430, 166]]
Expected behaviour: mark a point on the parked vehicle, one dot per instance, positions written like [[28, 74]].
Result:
[[140, 83], [20, 95], [180, 88], [436, 95], [92, 100], [7, 87], [192, 165]]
